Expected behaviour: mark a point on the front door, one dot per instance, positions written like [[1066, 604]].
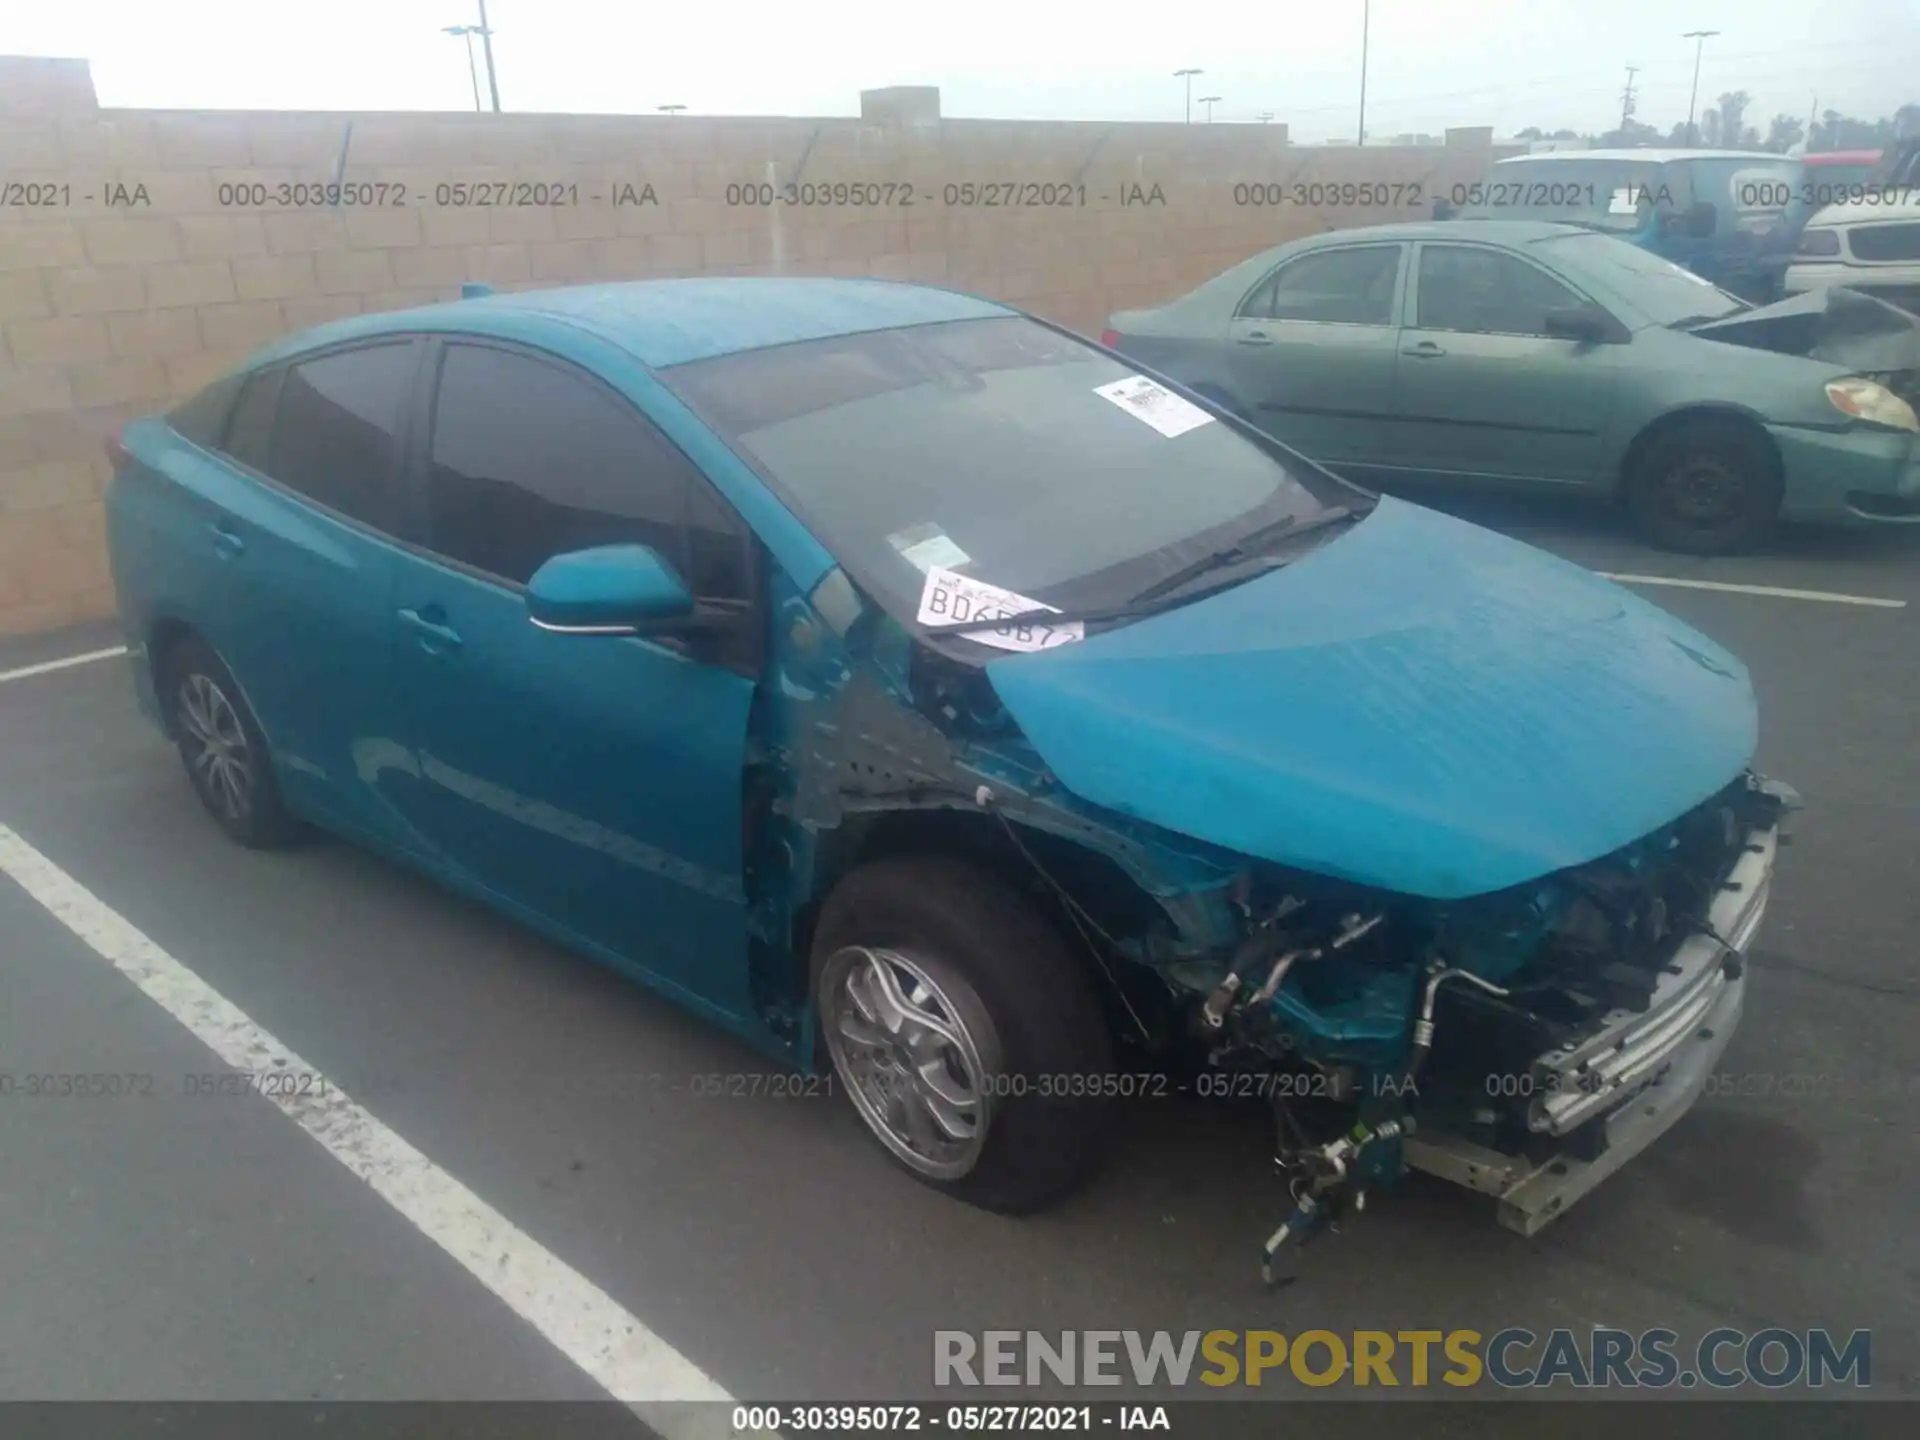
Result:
[[1312, 351], [1481, 390], [591, 781]]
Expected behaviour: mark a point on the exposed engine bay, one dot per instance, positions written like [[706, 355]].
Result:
[[1514, 1022]]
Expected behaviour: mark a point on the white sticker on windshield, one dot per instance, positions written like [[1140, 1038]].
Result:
[[1624, 201], [1155, 404], [925, 546], [951, 599]]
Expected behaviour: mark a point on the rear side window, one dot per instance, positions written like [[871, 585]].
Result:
[[251, 429], [530, 459], [1351, 286], [336, 431], [203, 419]]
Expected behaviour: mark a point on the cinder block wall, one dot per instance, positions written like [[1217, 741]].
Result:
[[129, 276]]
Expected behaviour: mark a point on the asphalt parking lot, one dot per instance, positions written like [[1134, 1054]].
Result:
[[176, 1245]]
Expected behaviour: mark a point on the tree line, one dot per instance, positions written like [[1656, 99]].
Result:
[[1724, 126]]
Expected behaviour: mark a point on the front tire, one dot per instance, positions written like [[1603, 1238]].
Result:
[[222, 747], [967, 1038], [1709, 486]]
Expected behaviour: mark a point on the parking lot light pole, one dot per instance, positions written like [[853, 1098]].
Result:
[[1188, 75], [473, 72], [1366, 29], [486, 48], [1699, 38], [1209, 101]]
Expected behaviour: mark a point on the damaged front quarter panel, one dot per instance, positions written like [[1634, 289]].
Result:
[[860, 727]]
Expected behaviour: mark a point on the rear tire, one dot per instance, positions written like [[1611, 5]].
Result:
[[965, 1035], [222, 747], [1709, 486]]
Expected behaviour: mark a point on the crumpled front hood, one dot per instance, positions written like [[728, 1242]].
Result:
[[1838, 325], [1420, 705]]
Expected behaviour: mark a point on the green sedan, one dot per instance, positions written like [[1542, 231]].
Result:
[[1491, 352]]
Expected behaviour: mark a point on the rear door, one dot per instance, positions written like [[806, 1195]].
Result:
[[593, 782], [1312, 352], [1482, 391], [309, 554]]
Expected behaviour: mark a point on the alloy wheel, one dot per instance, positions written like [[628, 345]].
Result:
[[905, 1052], [215, 744]]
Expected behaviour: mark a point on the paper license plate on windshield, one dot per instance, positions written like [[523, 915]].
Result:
[[949, 598]]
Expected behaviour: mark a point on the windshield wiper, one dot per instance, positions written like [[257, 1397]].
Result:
[[1245, 548], [1146, 602]]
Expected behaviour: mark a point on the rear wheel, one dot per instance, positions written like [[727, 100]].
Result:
[[966, 1037], [1705, 487], [221, 745]]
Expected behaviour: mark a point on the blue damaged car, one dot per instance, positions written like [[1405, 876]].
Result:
[[949, 706]]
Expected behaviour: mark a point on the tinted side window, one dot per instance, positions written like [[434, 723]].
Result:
[[251, 428], [336, 435], [1462, 288], [530, 460], [203, 419], [1351, 286], [716, 548]]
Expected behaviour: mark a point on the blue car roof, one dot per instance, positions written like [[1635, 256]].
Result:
[[671, 322]]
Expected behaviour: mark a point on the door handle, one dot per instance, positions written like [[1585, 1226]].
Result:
[[1425, 350], [227, 540], [1254, 337], [429, 626]]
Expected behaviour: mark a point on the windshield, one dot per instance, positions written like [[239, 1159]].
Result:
[[1612, 195], [986, 447], [1661, 290]]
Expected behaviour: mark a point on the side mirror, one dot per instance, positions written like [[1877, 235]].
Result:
[[608, 590], [1584, 323], [1702, 220], [1444, 209]]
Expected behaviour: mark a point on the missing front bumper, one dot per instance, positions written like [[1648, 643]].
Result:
[[1634, 1079]]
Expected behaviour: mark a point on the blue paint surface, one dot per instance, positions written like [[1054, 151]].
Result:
[[607, 585], [1420, 705], [673, 322]]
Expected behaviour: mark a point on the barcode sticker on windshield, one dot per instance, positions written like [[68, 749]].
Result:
[[1623, 201], [1155, 404], [926, 545], [949, 598]]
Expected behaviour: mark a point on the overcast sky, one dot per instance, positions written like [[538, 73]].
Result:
[[1433, 63]]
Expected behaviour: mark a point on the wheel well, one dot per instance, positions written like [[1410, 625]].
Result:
[[164, 638], [1023, 857], [1693, 415]]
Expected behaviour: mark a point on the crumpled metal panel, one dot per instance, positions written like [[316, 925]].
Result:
[[1420, 705]]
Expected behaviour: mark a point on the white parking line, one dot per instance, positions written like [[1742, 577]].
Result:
[[575, 1315], [1777, 591], [46, 666]]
